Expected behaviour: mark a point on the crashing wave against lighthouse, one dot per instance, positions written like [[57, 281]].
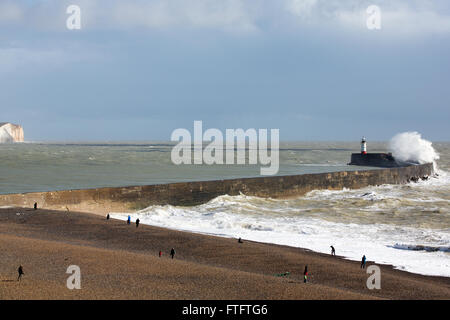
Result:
[[10, 133], [410, 146]]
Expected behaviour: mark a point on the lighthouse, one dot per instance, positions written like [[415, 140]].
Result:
[[382, 160], [363, 146]]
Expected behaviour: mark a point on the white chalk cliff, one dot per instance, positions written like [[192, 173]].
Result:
[[10, 132]]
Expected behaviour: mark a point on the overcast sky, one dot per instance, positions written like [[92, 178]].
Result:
[[137, 70]]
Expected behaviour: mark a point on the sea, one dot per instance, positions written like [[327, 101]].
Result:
[[407, 226]]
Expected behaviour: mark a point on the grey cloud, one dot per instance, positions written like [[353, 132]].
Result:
[[235, 16]]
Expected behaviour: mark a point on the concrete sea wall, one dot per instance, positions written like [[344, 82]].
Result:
[[127, 199]]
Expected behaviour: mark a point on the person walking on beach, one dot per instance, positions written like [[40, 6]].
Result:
[[137, 222], [160, 253], [172, 252], [129, 220], [363, 262], [35, 206], [20, 271], [240, 240], [333, 252], [305, 274], [107, 216]]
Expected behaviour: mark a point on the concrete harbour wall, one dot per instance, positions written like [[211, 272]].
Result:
[[128, 199]]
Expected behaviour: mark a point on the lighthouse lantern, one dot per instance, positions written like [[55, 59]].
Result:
[[363, 146]]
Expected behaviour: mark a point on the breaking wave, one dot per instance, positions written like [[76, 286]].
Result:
[[420, 248], [374, 221], [410, 147]]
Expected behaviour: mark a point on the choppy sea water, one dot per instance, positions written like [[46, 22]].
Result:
[[404, 225], [29, 167]]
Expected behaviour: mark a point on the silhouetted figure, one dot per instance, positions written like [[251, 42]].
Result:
[[240, 240], [35, 206], [305, 274], [333, 252], [107, 216], [129, 220], [160, 253], [20, 271], [172, 252], [363, 262], [137, 222]]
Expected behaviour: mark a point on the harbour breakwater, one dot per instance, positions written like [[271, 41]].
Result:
[[128, 199]]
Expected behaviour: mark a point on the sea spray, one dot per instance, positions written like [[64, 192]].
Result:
[[410, 147]]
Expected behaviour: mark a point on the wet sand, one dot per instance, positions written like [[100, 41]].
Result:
[[120, 261]]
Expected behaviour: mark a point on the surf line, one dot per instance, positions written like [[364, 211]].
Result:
[[235, 147]]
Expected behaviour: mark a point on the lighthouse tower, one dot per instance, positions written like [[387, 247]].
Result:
[[363, 146]]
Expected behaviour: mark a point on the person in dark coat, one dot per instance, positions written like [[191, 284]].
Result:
[[363, 262], [137, 222], [333, 252], [107, 216], [20, 271], [172, 252], [305, 274]]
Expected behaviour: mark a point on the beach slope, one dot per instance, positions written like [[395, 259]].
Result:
[[120, 261]]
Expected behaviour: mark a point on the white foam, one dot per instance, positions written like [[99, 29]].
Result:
[[300, 223], [410, 147]]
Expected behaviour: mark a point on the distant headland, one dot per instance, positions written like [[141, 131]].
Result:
[[10, 133]]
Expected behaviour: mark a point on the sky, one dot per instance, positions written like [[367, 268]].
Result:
[[137, 70]]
